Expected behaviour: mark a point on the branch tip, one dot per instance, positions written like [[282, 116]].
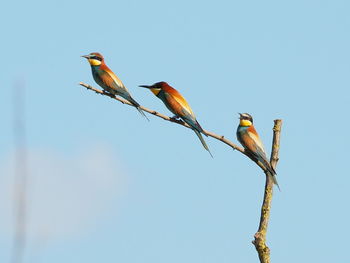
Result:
[[260, 235]]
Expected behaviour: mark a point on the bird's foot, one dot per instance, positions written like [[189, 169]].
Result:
[[175, 118], [108, 93]]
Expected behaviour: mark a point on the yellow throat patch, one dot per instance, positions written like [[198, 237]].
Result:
[[245, 123], [155, 91], [94, 62]]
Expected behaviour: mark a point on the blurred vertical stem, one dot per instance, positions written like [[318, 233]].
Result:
[[260, 236], [20, 184]]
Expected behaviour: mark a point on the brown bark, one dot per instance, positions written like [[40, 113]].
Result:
[[260, 236]]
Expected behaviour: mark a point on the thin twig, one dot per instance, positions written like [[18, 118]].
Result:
[[180, 122], [260, 236]]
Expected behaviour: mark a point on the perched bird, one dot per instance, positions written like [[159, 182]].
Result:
[[249, 138], [108, 80], [177, 104]]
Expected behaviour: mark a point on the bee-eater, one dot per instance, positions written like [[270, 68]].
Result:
[[249, 138], [108, 80], [177, 104]]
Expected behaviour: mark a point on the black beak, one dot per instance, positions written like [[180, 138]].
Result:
[[240, 115], [145, 86], [86, 56]]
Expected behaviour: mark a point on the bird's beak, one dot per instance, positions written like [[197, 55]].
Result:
[[145, 86], [240, 115], [86, 56]]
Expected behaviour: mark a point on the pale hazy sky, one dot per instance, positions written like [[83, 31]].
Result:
[[107, 186]]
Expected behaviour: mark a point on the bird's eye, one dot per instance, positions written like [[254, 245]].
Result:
[[97, 58]]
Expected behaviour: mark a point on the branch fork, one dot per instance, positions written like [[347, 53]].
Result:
[[260, 236]]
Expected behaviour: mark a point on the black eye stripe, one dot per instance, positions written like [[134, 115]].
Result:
[[248, 118], [97, 58]]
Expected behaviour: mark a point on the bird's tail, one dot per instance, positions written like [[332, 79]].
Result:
[[272, 173], [142, 112], [137, 106], [269, 169], [203, 142], [274, 179], [200, 129]]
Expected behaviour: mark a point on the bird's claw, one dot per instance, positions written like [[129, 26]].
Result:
[[108, 93], [174, 118]]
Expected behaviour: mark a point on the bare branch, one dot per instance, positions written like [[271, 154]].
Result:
[[180, 122], [260, 236]]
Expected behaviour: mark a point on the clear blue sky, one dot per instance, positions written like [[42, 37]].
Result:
[[107, 186]]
